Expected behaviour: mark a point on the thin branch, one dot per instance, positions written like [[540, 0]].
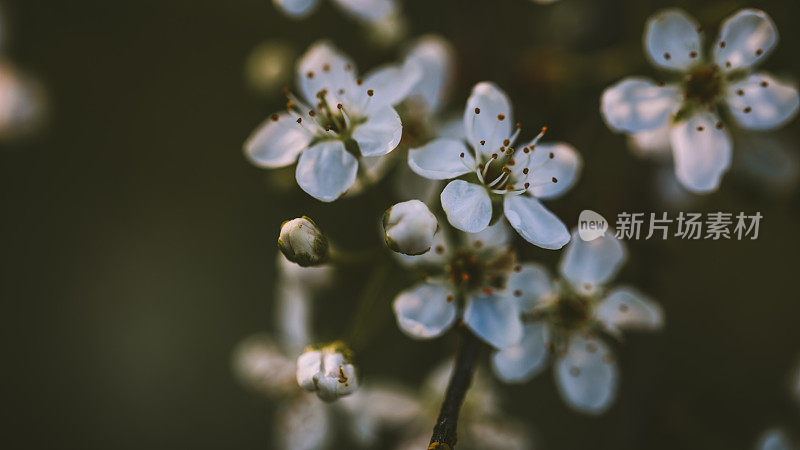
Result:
[[444, 432]]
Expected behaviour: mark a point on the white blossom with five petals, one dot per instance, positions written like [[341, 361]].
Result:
[[501, 177], [563, 316], [341, 120], [709, 87]]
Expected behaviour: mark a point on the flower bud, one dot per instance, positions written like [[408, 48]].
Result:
[[327, 371], [410, 227], [303, 243]]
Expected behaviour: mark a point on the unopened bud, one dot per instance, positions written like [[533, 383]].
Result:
[[303, 243], [410, 227], [327, 371]]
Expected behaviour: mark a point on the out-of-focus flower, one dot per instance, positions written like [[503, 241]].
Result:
[[349, 118], [369, 11], [377, 407], [563, 317], [410, 227], [389, 30], [303, 243], [327, 371], [774, 439], [21, 103], [468, 276], [269, 66], [708, 87], [505, 178]]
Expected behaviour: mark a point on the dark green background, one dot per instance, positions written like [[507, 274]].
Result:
[[138, 244]]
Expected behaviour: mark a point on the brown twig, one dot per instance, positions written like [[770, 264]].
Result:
[[444, 432]]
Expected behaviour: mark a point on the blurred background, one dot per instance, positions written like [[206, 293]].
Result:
[[139, 244]]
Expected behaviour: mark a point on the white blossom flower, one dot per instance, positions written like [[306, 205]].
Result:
[[709, 87], [465, 280], [774, 439], [327, 371], [564, 316], [410, 227], [502, 177], [349, 119], [303, 243], [369, 11], [21, 103]]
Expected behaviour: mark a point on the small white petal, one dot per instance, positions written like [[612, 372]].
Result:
[[323, 66], [494, 318], [492, 102], [276, 143], [424, 312], [627, 309], [587, 375], [303, 424], [564, 166], [638, 104], [296, 8], [529, 284], [367, 10], [441, 159], [523, 361], [326, 170], [534, 222], [467, 206], [308, 365], [410, 227], [389, 85], [760, 102], [380, 134], [436, 57], [702, 152], [672, 40], [491, 238], [589, 264], [652, 143], [748, 37]]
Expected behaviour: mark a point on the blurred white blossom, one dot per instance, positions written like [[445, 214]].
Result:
[[369, 11], [341, 120], [564, 316], [463, 280], [708, 87], [775, 439], [21, 103], [269, 66], [327, 371], [506, 178]]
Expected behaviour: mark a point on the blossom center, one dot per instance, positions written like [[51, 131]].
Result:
[[703, 85], [572, 310]]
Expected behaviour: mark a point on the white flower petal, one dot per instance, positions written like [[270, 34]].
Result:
[[529, 284], [276, 143], [534, 222], [523, 361], [760, 102], [652, 143], [702, 152], [492, 103], [467, 206], [638, 104], [672, 40], [494, 318], [424, 312], [389, 85], [745, 39], [303, 424], [441, 159], [296, 8], [560, 162], [587, 375], [367, 10], [436, 57], [326, 170], [261, 365], [380, 134], [774, 439], [308, 365], [627, 309], [491, 238], [589, 264], [323, 66]]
